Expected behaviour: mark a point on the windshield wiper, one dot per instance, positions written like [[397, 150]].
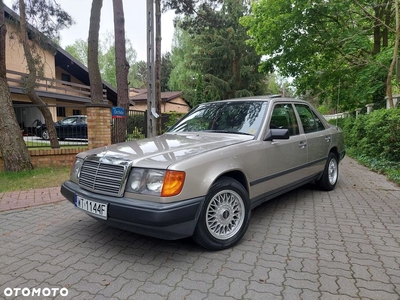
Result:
[[228, 131]]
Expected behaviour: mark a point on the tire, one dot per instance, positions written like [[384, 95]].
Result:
[[45, 134], [225, 215], [330, 176]]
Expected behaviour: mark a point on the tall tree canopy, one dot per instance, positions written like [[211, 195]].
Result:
[[326, 45], [107, 59], [212, 44], [166, 68]]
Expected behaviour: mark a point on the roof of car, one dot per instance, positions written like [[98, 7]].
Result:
[[262, 98]]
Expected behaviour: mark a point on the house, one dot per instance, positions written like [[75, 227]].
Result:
[[64, 87], [170, 101]]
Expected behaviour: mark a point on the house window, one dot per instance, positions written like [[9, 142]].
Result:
[[65, 77], [60, 111], [76, 111]]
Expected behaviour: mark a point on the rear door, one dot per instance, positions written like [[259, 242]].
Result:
[[318, 137]]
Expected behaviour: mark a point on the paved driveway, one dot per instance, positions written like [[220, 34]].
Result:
[[306, 244]]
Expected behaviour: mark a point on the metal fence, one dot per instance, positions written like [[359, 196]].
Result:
[[136, 126], [71, 130], [71, 124]]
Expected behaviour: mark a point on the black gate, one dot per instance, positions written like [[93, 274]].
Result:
[[136, 126]]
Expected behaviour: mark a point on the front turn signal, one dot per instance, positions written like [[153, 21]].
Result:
[[173, 183]]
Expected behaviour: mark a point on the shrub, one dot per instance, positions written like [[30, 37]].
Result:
[[136, 122], [374, 135]]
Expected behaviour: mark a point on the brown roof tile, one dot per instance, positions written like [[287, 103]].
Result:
[[165, 96]]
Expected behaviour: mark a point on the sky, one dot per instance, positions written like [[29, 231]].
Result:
[[135, 23]]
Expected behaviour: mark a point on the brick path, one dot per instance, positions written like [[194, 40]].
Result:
[[305, 244], [26, 199]]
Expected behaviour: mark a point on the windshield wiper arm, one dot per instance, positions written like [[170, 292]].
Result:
[[229, 131]]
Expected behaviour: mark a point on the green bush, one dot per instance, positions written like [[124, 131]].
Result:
[[374, 140], [136, 122], [375, 135]]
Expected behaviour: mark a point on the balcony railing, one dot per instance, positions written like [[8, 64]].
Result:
[[17, 79]]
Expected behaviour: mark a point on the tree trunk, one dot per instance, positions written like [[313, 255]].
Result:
[[121, 66], [158, 67], [32, 76], [12, 146], [96, 85], [389, 92], [377, 32]]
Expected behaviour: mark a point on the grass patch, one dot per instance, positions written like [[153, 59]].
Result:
[[34, 179], [37, 144]]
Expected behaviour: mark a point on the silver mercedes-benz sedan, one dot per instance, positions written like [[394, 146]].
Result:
[[203, 176]]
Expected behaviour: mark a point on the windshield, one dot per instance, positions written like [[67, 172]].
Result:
[[240, 117]]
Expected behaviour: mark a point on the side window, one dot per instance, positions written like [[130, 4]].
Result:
[[283, 117], [68, 121], [310, 121]]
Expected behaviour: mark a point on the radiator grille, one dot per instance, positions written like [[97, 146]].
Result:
[[102, 178]]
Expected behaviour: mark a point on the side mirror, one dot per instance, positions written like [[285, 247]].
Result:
[[277, 134]]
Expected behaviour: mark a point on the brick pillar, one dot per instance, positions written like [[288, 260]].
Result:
[[99, 125]]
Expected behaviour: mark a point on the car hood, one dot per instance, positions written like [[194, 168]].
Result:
[[164, 150]]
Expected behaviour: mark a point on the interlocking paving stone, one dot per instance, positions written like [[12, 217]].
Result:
[[306, 244]]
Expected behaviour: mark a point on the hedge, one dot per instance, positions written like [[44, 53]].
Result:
[[375, 135]]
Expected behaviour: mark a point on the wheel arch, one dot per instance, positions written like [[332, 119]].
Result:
[[335, 151], [237, 175]]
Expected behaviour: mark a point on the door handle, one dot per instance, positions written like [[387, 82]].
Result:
[[327, 138], [302, 145]]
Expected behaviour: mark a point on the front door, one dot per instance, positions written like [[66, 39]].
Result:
[[286, 160]]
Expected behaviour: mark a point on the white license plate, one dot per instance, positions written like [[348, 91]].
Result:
[[93, 207]]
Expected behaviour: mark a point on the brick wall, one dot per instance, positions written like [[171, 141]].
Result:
[[99, 125], [51, 158]]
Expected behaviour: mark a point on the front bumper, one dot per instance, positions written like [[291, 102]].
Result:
[[167, 221]]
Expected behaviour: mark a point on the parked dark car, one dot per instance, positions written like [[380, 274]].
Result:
[[70, 127], [203, 176]]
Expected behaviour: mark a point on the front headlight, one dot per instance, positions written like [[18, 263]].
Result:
[[162, 183], [154, 181], [76, 168]]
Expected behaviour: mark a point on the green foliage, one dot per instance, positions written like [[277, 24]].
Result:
[[140, 77], [331, 48], [47, 17], [183, 74], [79, 50], [173, 117], [199, 90], [136, 125], [374, 140], [135, 134], [212, 45], [166, 68], [33, 179]]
